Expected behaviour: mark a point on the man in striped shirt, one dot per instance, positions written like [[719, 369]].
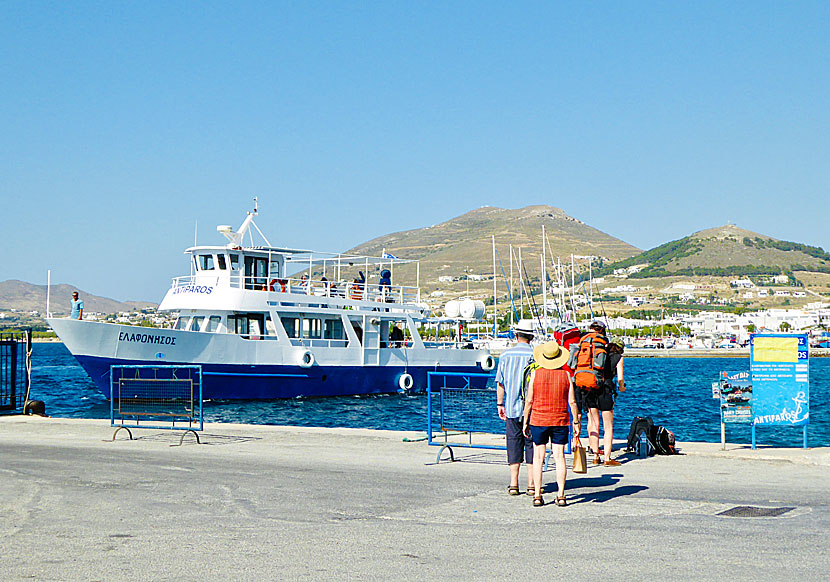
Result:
[[510, 406]]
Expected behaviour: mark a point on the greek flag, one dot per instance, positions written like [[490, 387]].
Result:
[[386, 255]]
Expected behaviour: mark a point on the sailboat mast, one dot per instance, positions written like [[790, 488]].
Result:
[[544, 284], [495, 303]]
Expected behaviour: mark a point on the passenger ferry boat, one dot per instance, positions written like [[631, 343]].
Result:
[[259, 333]]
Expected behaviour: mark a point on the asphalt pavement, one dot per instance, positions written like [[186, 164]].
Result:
[[286, 503]]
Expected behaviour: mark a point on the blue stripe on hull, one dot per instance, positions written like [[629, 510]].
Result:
[[265, 382]]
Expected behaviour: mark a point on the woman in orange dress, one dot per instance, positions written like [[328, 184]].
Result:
[[549, 397]]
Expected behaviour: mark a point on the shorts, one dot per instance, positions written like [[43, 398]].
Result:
[[558, 435], [516, 441], [601, 398]]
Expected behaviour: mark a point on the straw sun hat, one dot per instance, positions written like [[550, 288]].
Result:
[[550, 355]]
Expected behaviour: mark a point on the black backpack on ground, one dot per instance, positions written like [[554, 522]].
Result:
[[664, 441], [639, 425], [660, 439]]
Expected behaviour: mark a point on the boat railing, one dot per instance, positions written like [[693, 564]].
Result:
[[317, 288]]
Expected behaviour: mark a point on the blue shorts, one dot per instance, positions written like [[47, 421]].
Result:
[[517, 442], [558, 435]]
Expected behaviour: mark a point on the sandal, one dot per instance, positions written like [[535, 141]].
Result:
[[513, 490], [561, 502], [612, 463], [538, 501], [597, 460], [531, 491]]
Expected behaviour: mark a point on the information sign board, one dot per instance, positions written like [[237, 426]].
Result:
[[735, 397], [780, 366]]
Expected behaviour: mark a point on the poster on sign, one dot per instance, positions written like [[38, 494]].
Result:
[[735, 397], [780, 367]]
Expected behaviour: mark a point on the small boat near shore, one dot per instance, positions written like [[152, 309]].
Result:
[[261, 332]]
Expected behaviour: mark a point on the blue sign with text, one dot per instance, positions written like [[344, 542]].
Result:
[[780, 366]]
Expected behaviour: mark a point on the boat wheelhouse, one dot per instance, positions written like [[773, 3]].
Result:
[[272, 322]]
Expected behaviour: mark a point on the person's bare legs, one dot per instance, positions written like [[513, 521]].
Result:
[[608, 431], [593, 431], [561, 469], [514, 474], [539, 452]]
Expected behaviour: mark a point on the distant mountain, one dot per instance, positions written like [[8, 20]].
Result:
[[726, 251], [464, 242], [26, 297]]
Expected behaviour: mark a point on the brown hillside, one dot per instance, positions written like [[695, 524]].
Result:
[[464, 242]]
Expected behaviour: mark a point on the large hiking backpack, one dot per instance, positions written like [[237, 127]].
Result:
[[664, 441], [590, 361], [641, 424], [567, 336]]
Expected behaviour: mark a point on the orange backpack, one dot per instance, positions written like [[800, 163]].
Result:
[[590, 361]]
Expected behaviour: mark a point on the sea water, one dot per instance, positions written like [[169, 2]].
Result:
[[675, 392]]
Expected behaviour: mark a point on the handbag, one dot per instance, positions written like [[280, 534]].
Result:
[[580, 460]]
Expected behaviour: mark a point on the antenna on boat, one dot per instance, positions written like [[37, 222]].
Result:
[[256, 205]]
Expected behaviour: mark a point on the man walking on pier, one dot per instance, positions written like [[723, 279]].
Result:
[[511, 408]]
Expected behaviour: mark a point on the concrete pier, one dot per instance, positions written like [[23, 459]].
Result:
[[285, 503]]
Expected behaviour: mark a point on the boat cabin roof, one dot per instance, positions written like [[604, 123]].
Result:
[[301, 256]]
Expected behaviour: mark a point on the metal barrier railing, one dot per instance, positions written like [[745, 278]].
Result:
[[156, 397], [15, 370], [458, 408]]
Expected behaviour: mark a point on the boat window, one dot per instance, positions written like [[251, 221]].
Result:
[[212, 324], [333, 329], [270, 329], [206, 262], [255, 272], [221, 260], [275, 269], [311, 328], [291, 325], [196, 324], [255, 326], [182, 323], [234, 262]]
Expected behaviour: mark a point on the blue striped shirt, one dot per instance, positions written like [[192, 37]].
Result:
[[509, 374]]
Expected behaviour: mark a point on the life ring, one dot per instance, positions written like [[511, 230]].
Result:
[[272, 285], [305, 359], [405, 382], [488, 363]]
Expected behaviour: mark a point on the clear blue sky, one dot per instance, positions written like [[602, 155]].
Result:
[[123, 124]]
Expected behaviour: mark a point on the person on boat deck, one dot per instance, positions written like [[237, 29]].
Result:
[[304, 283], [396, 337], [550, 394], [77, 309], [385, 284], [608, 395], [509, 404]]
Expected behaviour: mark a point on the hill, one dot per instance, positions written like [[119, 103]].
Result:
[[27, 297], [464, 243], [726, 251]]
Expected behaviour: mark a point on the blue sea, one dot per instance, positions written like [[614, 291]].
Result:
[[675, 392]]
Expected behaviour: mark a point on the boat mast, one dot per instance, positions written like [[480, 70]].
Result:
[[512, 295], [544, 284], [495, 303]]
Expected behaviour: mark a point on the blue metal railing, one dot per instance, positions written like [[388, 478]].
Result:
[[463, 409]]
